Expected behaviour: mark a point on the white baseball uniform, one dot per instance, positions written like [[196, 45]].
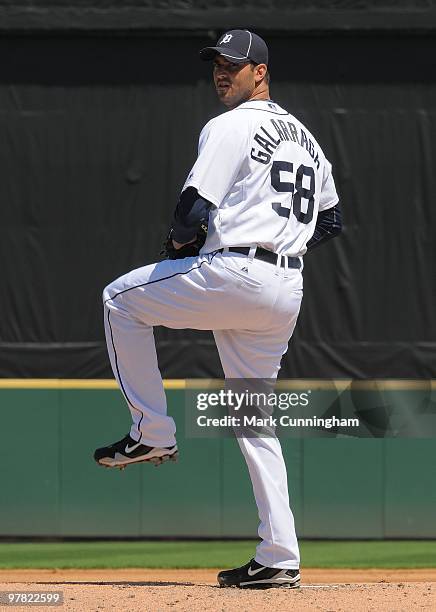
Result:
[[267, 178]]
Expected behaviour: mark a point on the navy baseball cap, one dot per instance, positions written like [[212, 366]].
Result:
[[238, 46]]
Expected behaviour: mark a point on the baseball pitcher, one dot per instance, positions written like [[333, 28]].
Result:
[[260, 194]]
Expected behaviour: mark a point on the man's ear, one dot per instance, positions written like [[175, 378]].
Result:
[[260, 71]]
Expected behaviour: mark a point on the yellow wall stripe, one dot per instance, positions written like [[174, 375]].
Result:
[[65, 383], [208, 383]]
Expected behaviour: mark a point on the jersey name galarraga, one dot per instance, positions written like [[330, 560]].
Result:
[[266, 176]]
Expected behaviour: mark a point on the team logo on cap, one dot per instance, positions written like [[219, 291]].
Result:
[[227, 38]]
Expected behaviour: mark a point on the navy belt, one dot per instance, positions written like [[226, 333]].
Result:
[[264, 255]]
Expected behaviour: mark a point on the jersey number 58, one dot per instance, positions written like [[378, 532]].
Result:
[[297, 190]]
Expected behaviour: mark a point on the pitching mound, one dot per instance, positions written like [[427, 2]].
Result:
[[143, 590]]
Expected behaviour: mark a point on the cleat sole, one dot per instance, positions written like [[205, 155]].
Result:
[[156, 461], [260, 586]]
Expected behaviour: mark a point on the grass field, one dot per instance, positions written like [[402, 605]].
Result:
[[331, 554]]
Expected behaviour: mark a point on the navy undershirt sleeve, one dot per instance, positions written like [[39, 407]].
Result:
[[191, 210], [328, 225]]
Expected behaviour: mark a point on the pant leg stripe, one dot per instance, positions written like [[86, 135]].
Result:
[[158, 280], [112, 336], [119, 374]]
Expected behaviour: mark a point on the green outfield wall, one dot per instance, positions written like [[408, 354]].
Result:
[[50, 485]]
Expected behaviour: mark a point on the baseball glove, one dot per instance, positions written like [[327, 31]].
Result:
[[191, 249]]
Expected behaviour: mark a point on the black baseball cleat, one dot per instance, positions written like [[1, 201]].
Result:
[[127, 451], [256, 576]]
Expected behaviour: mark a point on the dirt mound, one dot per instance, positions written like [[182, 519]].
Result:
[[146, 590]]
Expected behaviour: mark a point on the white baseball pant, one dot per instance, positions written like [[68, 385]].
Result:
[[252, 315]]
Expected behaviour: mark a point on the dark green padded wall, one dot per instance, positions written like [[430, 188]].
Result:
[[340, 488]]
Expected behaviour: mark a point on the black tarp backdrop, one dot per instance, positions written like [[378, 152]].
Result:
[[190, 15], [97, 135]]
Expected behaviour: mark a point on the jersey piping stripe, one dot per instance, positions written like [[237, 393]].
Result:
[[262, 110], [112, 335]]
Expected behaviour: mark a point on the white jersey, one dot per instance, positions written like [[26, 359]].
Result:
[[266, 176]]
